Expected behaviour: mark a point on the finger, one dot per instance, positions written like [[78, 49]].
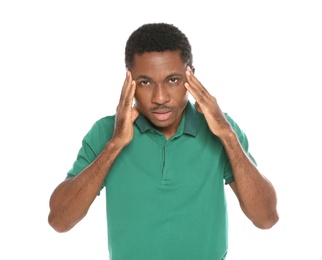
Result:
[[198, 107], [191, 78], [186, 84], [128, 90], [195, 88], [135, 113], [132, 91]]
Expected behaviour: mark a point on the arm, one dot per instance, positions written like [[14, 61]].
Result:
[[255, 193], [72, 198]]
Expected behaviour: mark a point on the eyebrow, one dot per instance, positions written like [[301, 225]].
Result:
[[142, 77], [175, 75], [167, 77]]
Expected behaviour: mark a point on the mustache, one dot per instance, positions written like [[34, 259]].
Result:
[[161, 107]]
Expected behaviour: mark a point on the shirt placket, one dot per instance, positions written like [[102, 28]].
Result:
[[166, 161]]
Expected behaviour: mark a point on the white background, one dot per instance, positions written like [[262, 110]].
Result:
[[62, 68]]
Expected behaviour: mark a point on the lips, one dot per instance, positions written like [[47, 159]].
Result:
[[162, 115]]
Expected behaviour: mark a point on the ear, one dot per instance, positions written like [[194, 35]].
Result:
[[193, 69]]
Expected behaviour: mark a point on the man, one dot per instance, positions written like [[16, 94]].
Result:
[[163, 161]]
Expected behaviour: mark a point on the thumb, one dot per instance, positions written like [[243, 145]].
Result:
[[135, 113], [198, 107]]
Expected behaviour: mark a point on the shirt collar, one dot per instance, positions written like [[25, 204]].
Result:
[[188, 123]]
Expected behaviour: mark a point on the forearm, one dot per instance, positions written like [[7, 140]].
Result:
[[71, 200], [255, 193]]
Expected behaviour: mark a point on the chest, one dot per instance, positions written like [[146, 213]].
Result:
[[153, 162]]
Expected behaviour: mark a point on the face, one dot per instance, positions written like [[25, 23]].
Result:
[[160, 93]]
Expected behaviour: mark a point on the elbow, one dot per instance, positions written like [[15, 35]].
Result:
[[58, 225], [267, 222]]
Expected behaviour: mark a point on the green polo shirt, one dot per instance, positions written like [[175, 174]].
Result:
[[165, 199]]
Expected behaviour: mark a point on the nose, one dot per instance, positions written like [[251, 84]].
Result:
[[160, 94]]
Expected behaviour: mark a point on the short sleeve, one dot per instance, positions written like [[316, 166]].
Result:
[[92, 144]]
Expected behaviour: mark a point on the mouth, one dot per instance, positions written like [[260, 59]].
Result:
[[162, 115]]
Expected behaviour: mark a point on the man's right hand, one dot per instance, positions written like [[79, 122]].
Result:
[[125, 112]]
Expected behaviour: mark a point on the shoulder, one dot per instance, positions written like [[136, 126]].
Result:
[[105, 122], [103, 128], [234, 125]]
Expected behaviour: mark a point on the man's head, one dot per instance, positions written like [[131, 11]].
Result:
[[157, 55], [157, 37]]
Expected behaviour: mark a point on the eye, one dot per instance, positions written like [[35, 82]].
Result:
[[173, 80], [144, 82]]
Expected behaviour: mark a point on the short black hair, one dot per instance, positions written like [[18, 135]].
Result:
[[157, 37]]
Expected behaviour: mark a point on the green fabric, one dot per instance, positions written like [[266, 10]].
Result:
[[165, 199]]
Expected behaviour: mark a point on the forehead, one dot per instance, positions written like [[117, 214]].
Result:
[[149, 63]]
